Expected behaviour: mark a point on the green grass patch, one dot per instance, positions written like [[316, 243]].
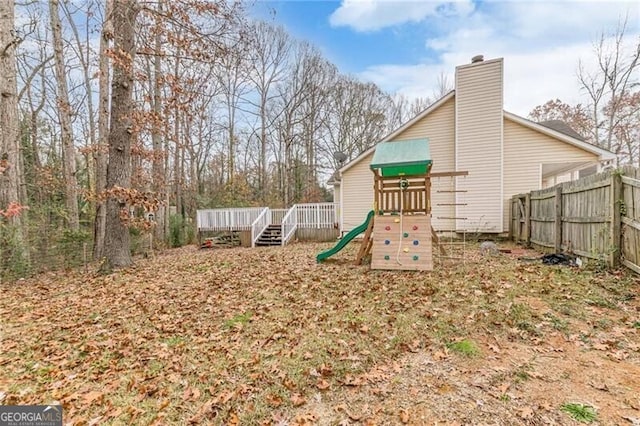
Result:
[[174, 341], [240, 319], [464, 347], [580, 412]]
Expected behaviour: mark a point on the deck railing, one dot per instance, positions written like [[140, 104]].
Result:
[[259, 225], [257, 219], [289, 225], [317, 215], [233, 219], [277, 215]]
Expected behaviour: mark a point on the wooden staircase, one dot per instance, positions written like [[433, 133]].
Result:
[[272, 236]]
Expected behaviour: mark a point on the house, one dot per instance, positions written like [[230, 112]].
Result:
[[469, 130]]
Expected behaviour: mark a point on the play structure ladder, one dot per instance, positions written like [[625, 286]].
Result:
[[453, 239]]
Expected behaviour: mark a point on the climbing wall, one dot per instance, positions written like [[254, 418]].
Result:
[[410, 234]]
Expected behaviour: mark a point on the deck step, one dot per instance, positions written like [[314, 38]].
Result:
[[271, 236]]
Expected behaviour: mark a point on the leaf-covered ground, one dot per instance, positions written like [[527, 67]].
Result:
[[267, 336]]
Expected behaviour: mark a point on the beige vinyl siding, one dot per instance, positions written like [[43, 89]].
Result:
[[357, 193], [525, 150], [337, 198], [438, 128], [479, 106]]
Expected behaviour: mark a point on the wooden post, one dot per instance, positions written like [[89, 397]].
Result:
[[558, 220], [527, 219], [616, 234], [365, 245], [378, 192], [514, 229]]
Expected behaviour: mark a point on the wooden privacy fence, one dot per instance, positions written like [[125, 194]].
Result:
[[596, 217]]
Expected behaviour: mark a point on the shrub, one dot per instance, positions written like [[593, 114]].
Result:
[[176, 231], [14, 257]]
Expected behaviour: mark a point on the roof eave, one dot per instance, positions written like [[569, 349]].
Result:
[[601, 152]]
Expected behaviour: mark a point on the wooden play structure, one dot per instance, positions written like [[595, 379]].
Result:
[[400, 235]]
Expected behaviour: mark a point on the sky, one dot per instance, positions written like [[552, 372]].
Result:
[[405, 45]]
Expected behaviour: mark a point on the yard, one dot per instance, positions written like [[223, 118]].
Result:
[[267, 336]]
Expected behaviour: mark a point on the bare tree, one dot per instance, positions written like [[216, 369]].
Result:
[[269, 52], [443, 85], [106, 36], [159, 173], [614, 76], [64, 114], [233, 79]]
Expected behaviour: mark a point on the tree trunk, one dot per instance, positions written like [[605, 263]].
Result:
[[117, 250], [263, 149], [9, 124], [64, 113], [84, 54], [158, 169], [103, 133]]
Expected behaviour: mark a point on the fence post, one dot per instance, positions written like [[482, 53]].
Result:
[[616, 234], [514, 229], [527, 219], [558, 220]]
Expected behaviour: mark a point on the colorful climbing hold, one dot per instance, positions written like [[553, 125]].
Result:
[[386, 257], [415, 257], [406, 234], [415, 227], [406, 250], [387, 242], [396, 220], [416, 242], [387, 228]]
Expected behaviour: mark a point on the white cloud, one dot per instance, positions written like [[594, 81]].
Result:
[[541, 43], [371, 15]]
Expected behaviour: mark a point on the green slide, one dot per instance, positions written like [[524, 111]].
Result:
[[346, 239]]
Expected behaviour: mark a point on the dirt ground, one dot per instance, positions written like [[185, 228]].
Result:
[[267, 336]]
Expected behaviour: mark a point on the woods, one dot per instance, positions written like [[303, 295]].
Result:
[[120, 118], [115, 110]]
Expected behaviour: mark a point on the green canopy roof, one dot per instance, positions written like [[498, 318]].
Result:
[[402, 158]]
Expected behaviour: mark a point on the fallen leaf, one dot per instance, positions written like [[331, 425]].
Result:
[[635, 421], [633, 403], [600, 347], [404, 416], [307, 419], [526, 412], [322, 384], [274, 400], [92, 396], [350, 380], [233, 419], [95, 421], [600, 386], [297, 400]]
